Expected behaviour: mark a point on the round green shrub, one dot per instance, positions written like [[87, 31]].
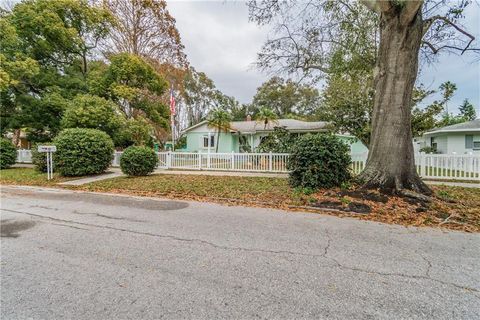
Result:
[[138, 161], [8, 153], [39, 159], [82, 152], [319, 161]]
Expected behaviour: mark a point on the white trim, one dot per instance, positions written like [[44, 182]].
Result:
[[466, 131], [195, 126], [199, 125]]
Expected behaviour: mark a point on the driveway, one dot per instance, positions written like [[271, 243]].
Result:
[[81, 255]]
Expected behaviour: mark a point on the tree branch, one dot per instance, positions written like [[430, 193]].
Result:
[[436, 50], [429, 23], [431, 46]]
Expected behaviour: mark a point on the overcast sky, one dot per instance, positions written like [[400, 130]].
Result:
[[220, 41]]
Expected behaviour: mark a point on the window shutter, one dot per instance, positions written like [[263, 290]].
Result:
[[468, 141]]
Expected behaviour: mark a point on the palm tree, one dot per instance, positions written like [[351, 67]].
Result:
[[220, 120], [266, 116]]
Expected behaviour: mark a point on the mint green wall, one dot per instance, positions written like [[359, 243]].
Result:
[[193, 141], [356, 146], [228, 142]]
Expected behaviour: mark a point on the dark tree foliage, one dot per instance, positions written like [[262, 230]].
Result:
[[278, 141], [286, 98], [44, 47], [467, 111]]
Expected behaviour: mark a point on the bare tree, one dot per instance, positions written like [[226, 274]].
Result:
[[145, 28], [308, 33]]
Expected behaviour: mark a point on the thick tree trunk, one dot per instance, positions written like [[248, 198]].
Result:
[[390, 166]]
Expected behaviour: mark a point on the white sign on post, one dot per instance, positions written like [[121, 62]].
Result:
[[49, 150]]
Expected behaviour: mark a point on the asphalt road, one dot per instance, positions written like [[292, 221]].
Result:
[[68, 255]]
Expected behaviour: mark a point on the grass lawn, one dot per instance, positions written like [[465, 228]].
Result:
[[453, 207], [29, 176]]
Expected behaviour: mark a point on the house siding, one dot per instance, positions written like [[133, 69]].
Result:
[[195, 142], [230, 142], [356, 146], [456, 143], [453, 143]]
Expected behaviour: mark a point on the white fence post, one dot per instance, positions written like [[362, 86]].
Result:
[[270, 162], [200, 160], [169, 159], [233, 161], [472, 167], [422, 163]]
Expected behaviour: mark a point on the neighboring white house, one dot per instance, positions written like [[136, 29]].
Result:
[[462, 138]]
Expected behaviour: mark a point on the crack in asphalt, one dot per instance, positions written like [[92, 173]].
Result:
[[429, 264], [323, 255], [68, 226], [106, 216], [425, 277]]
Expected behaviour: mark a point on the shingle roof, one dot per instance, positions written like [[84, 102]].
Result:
[[289, 124], [473, 125]]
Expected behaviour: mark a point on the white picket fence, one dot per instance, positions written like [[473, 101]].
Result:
[[24, 156], [435, 166], [445, 166], [430, 166], [255, 162]]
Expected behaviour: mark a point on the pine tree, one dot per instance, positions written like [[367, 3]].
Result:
[[467, 111]]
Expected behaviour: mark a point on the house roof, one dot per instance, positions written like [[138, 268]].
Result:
[[469, 126], [289, 124]]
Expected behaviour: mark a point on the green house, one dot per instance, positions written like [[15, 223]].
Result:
[[247, 135]]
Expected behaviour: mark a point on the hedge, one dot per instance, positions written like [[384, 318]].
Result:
[[8, 153], [138, 161], [83, 152], [319, 161]]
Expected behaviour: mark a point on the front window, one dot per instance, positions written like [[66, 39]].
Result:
[[205, 141], [433, 143], [469, 141], [476, 145]]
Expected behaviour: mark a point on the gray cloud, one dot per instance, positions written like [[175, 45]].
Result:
[[221, 42]]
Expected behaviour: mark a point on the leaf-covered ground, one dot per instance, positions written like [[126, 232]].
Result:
[[453, 207]]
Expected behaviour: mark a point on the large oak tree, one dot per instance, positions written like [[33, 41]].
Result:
[[309, 33]]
